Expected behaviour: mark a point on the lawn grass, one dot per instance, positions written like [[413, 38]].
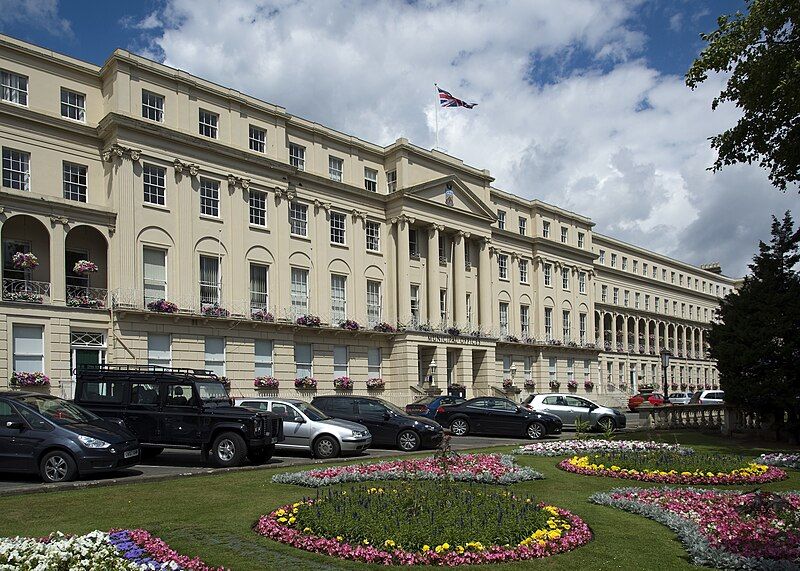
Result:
[[211, 516]]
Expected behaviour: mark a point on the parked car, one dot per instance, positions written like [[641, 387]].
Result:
[[708, 397], [305, 427], [571, 409], [387, 423], [426, 406], [497, 416], [682, 397], [59, 440], [184, 408], [655, 399]]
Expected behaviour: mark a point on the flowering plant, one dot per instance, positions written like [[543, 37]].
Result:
[[674, 386], [84, 267], [508, 383], [511, 339], [572, 384], [684, 386], [308, 321], [588, 384], [784, 459], [343, 383], [555, 342], [305, 383], [24, 261], [162, 306], [454, 331], [214, 310], [457, 386], [376, 383], [226, 382], [554, 385], [265, 383], [350, 325], [25, 379], [26, 296], [85, 301], [530, 384], [263, 315], [576, 447], [385, 328], [721, 529], [485, 468]]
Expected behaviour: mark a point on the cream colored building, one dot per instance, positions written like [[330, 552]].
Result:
[[230, 208]]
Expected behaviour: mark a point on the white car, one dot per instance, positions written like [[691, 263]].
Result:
[[682, 397], [305, 427], [714, 396]]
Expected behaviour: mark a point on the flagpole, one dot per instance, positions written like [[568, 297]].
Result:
[[436, 110]]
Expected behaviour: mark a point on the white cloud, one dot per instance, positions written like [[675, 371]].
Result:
[[598, 132], [41, 14]]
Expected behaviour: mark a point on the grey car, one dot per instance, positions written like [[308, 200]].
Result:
[[571, 408], [305, 427]]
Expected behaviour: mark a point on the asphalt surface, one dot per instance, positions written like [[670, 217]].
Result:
[[176, 463]]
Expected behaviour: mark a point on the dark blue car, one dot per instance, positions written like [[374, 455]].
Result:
[[426, 406]]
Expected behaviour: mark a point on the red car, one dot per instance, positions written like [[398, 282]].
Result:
[[655, 399]]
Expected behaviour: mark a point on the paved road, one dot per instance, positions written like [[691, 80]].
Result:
[[174, 463]]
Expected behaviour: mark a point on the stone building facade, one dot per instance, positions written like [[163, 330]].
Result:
[[217, 223]]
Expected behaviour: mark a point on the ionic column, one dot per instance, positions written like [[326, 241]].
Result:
[[636, 334], [692, 340], [403, 276], [683, 342], [701, 346], [433, 274], [459, 293], [647, 337], [485, 285]]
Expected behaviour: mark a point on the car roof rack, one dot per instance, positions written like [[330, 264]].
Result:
[[157, 371]]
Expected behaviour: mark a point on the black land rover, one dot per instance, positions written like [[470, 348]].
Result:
[[178, 408]]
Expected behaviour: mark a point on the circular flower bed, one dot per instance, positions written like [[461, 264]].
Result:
[[486, 468], [577, 447], [462, 525], [782, 459], [722, 529], [118, 550], [670, 467]]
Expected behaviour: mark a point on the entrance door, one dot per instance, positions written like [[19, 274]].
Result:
[[452, 359], [85, 357]]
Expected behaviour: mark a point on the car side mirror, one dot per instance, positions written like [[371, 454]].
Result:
[[15, 425], [298, 419]]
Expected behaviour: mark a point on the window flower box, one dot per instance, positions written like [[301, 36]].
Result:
[[24, 296], [24, 261], [85, 301], [511, 339], [376, 384], [350, 325], [454, 331], [162, 306], [83, 267], [24, 379], [385, 328], [684, 386], [270, 383], [308, 321], [214, 310], [343, 383], [674, 386], [588, 385], [305, 383], [555, 342], [530, 384], [554, 385], [589, 346], [263, 315], [572, 385]]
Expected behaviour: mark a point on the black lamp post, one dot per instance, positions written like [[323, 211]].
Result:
[[665, 355]]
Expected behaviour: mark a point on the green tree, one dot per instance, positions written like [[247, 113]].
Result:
[[760, 51], [756, 340]]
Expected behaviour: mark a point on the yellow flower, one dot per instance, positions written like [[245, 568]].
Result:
[[282, 519], [388, 543], [365, 542], [339, 538], [306, 530], [292, 519], [426, 548], [459, 549]]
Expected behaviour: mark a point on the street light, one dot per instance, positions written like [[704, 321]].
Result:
[[433, 372], [665, 355]]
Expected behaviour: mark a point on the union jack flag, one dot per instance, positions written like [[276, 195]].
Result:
[[446, 99]]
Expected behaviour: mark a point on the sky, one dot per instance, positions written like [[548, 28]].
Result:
[[581, 103]]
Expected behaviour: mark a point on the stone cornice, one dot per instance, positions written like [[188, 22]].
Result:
[[650, 282], [59, 210], [10, 111]]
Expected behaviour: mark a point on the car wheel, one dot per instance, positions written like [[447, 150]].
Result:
[[408, 441], [228, 449], [326, 447], [57, 466], [536, 430], [606, 423], [459, 427], [261, 455], [150, 453]]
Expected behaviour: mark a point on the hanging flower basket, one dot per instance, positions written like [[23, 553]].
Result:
[[508, 384], [588, 385], [36, 379], [225, 381], [85, 301], [376, 383], [345, 383], [572, 385], [554, 385], [305, 383], [262, 315], [84, 267], [385, 328], [350, 325], [24, 261], [308, 321], [162, 306], [265, 383], [674, 386], [530, 385]]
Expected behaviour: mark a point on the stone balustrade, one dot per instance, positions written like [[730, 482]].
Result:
[[727, 419]]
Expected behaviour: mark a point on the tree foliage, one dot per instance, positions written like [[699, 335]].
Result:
[[756, 340], [760, 51]]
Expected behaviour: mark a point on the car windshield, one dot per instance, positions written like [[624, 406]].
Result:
[[58, 410], [392, 407], [210, 391], [312, 412], [424, 400]]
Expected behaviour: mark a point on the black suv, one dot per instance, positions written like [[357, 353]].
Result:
[[388, 424], [179, 408]]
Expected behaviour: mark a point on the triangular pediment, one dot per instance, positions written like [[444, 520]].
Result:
[[450, 192]]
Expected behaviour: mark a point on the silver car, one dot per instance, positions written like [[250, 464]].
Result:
[[305, 427], [681, 397], [571, 408]]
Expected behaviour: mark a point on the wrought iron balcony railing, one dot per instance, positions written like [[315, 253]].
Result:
[[26, 291]]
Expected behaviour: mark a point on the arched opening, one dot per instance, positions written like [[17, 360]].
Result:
[[26, 260], [86, 268]]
